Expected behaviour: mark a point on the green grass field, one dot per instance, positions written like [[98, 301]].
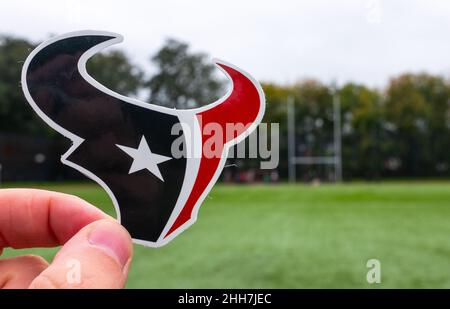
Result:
[[287, 236]]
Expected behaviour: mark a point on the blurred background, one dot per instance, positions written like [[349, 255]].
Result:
[[361, 93]]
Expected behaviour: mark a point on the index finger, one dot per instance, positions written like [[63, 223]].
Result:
[[38, 218]]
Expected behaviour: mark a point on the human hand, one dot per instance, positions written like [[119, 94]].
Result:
[[93, 243]]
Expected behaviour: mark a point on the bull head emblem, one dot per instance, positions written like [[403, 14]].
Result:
[[125, 145]]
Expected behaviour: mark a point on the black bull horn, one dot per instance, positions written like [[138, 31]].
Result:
[[156, 196]]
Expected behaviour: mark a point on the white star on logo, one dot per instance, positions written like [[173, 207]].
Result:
[[144, 158]]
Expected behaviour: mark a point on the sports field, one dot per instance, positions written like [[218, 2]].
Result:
[[299, 236]]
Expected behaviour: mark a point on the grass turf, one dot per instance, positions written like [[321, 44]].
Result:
[[296, 236]]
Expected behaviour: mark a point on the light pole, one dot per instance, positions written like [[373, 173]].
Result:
[[337, 136]]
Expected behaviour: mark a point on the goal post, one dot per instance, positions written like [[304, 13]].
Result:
[[335, 160]]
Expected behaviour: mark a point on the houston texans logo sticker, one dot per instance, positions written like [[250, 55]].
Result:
[[127, 146]]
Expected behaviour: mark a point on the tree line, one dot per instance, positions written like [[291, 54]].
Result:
[[402, 130]]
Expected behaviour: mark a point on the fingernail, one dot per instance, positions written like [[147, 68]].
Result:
[[113, 239]]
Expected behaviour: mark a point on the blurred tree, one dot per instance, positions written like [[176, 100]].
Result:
[[418, 113], [115, 71], [276, 112], [184, 79], [362, 136], [15, 114], [314, 126], [276, 97]]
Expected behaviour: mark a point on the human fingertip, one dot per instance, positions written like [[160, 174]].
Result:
[[113, 239]]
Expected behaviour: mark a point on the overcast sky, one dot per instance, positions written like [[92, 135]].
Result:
[[365, 41]]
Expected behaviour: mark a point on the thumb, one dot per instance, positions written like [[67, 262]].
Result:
[[98, 256]]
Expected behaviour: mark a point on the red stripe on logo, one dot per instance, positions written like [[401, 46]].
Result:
[[242, 106]]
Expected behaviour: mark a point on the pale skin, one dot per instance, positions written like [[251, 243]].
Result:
[[100, 246]]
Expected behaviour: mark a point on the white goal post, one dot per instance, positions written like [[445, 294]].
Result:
[[335, 160]]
